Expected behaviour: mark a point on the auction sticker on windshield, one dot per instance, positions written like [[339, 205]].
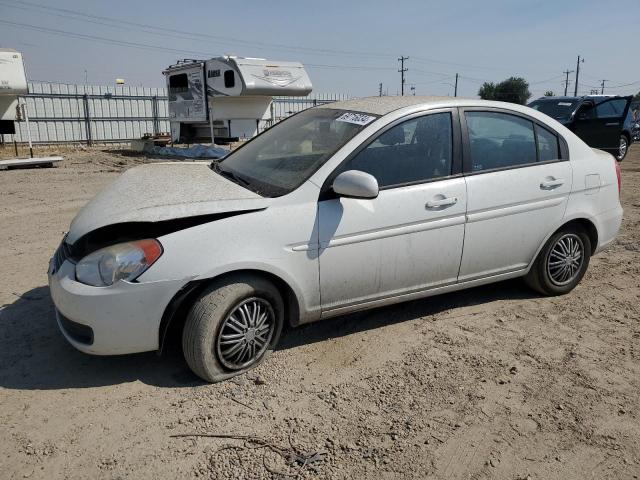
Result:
[[357, 118]]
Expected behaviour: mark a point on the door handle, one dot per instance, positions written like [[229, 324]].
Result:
[[612, 124], [553, 183], [442, 202]]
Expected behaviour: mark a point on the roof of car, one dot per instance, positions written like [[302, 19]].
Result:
[[384, 105]]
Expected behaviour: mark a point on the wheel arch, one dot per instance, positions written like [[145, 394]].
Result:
[[176, 311], [589, 227], [587, 224]]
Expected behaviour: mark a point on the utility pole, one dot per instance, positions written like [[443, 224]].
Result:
[[413, 90], [566, 82], [455, 89], [575, 91], [602, 86], [380, 89], [402, 70]]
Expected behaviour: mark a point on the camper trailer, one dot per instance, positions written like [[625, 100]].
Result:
[[13, 82], [228, 98]]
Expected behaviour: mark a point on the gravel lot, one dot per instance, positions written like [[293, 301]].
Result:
[[494, 382]]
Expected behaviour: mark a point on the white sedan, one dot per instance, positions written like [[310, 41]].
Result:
[[340, 208]]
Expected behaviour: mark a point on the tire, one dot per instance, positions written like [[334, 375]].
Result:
[[225, 316], [549, 277], [623, 148]]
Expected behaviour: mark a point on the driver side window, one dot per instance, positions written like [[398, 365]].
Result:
[[417, 150]]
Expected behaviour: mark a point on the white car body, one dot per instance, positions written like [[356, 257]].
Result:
[[330, 257]]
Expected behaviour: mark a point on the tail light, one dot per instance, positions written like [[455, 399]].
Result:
[[618, 174]]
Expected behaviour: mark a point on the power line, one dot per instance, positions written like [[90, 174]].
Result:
[[153, 29], [575, 92], [113, 22], [602, 85], [402, 71], [144, 46], [566, 82], [353, 67], [110, 41]]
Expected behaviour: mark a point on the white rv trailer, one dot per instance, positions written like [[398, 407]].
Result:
[[13, 82], [228, 98]]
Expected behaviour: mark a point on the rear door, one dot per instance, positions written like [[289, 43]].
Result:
[[518, 182], [600, 125]]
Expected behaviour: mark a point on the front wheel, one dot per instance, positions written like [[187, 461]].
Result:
[[561, 263], [232, 327], [623, 148]]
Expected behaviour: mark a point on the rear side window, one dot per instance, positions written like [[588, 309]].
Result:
[[548, 146], [611, 108], [414, 151], [499, 140]]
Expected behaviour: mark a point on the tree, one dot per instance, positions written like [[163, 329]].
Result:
[[487, 91], [513, 89], [549, 93], [637, 96]]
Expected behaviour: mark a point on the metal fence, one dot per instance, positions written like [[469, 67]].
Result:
[[285, 106], [64, 113]]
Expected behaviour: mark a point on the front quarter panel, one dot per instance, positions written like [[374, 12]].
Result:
[[281, 240]]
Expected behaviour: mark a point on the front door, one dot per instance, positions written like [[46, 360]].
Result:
[[518, 183], [410, 237], [600, 125]]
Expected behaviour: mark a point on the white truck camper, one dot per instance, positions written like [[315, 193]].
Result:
[[13, 82], [228, 98]]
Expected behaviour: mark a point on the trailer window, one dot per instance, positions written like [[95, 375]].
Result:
[[229, 79], [178, 85]]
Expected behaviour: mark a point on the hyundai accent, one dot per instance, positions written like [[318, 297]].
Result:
[[339, 208]]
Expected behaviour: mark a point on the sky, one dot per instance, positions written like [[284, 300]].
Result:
[[348, 47]]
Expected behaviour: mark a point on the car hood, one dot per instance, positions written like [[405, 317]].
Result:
[[163, 191]]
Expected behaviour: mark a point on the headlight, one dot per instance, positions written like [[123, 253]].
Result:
[[124, 261]]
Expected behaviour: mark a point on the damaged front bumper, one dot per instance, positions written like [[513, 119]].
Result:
[[122, 318]]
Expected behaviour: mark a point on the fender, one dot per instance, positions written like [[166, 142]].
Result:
[[574, 216]]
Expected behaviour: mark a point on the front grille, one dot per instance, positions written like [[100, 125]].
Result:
[[63, 252], [80, 333]]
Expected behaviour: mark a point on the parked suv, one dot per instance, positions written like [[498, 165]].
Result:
[[599, 120]]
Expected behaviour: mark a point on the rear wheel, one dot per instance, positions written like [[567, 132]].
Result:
[[232, 327], [562, 262], [623, 148]]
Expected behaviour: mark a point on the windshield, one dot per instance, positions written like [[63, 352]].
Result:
[[558, 109], [280, 159]]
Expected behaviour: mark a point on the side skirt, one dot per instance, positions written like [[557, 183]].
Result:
[[421, 294]]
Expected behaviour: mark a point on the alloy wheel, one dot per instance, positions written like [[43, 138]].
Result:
[[565, 259], [245, 334], [622, 149]]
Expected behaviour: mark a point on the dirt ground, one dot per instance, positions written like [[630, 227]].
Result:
[[494, 382]]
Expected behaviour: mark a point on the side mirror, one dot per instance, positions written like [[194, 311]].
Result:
[[356, 184], [585, 112]]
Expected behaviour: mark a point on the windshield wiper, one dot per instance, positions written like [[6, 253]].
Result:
[[215, 166]]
